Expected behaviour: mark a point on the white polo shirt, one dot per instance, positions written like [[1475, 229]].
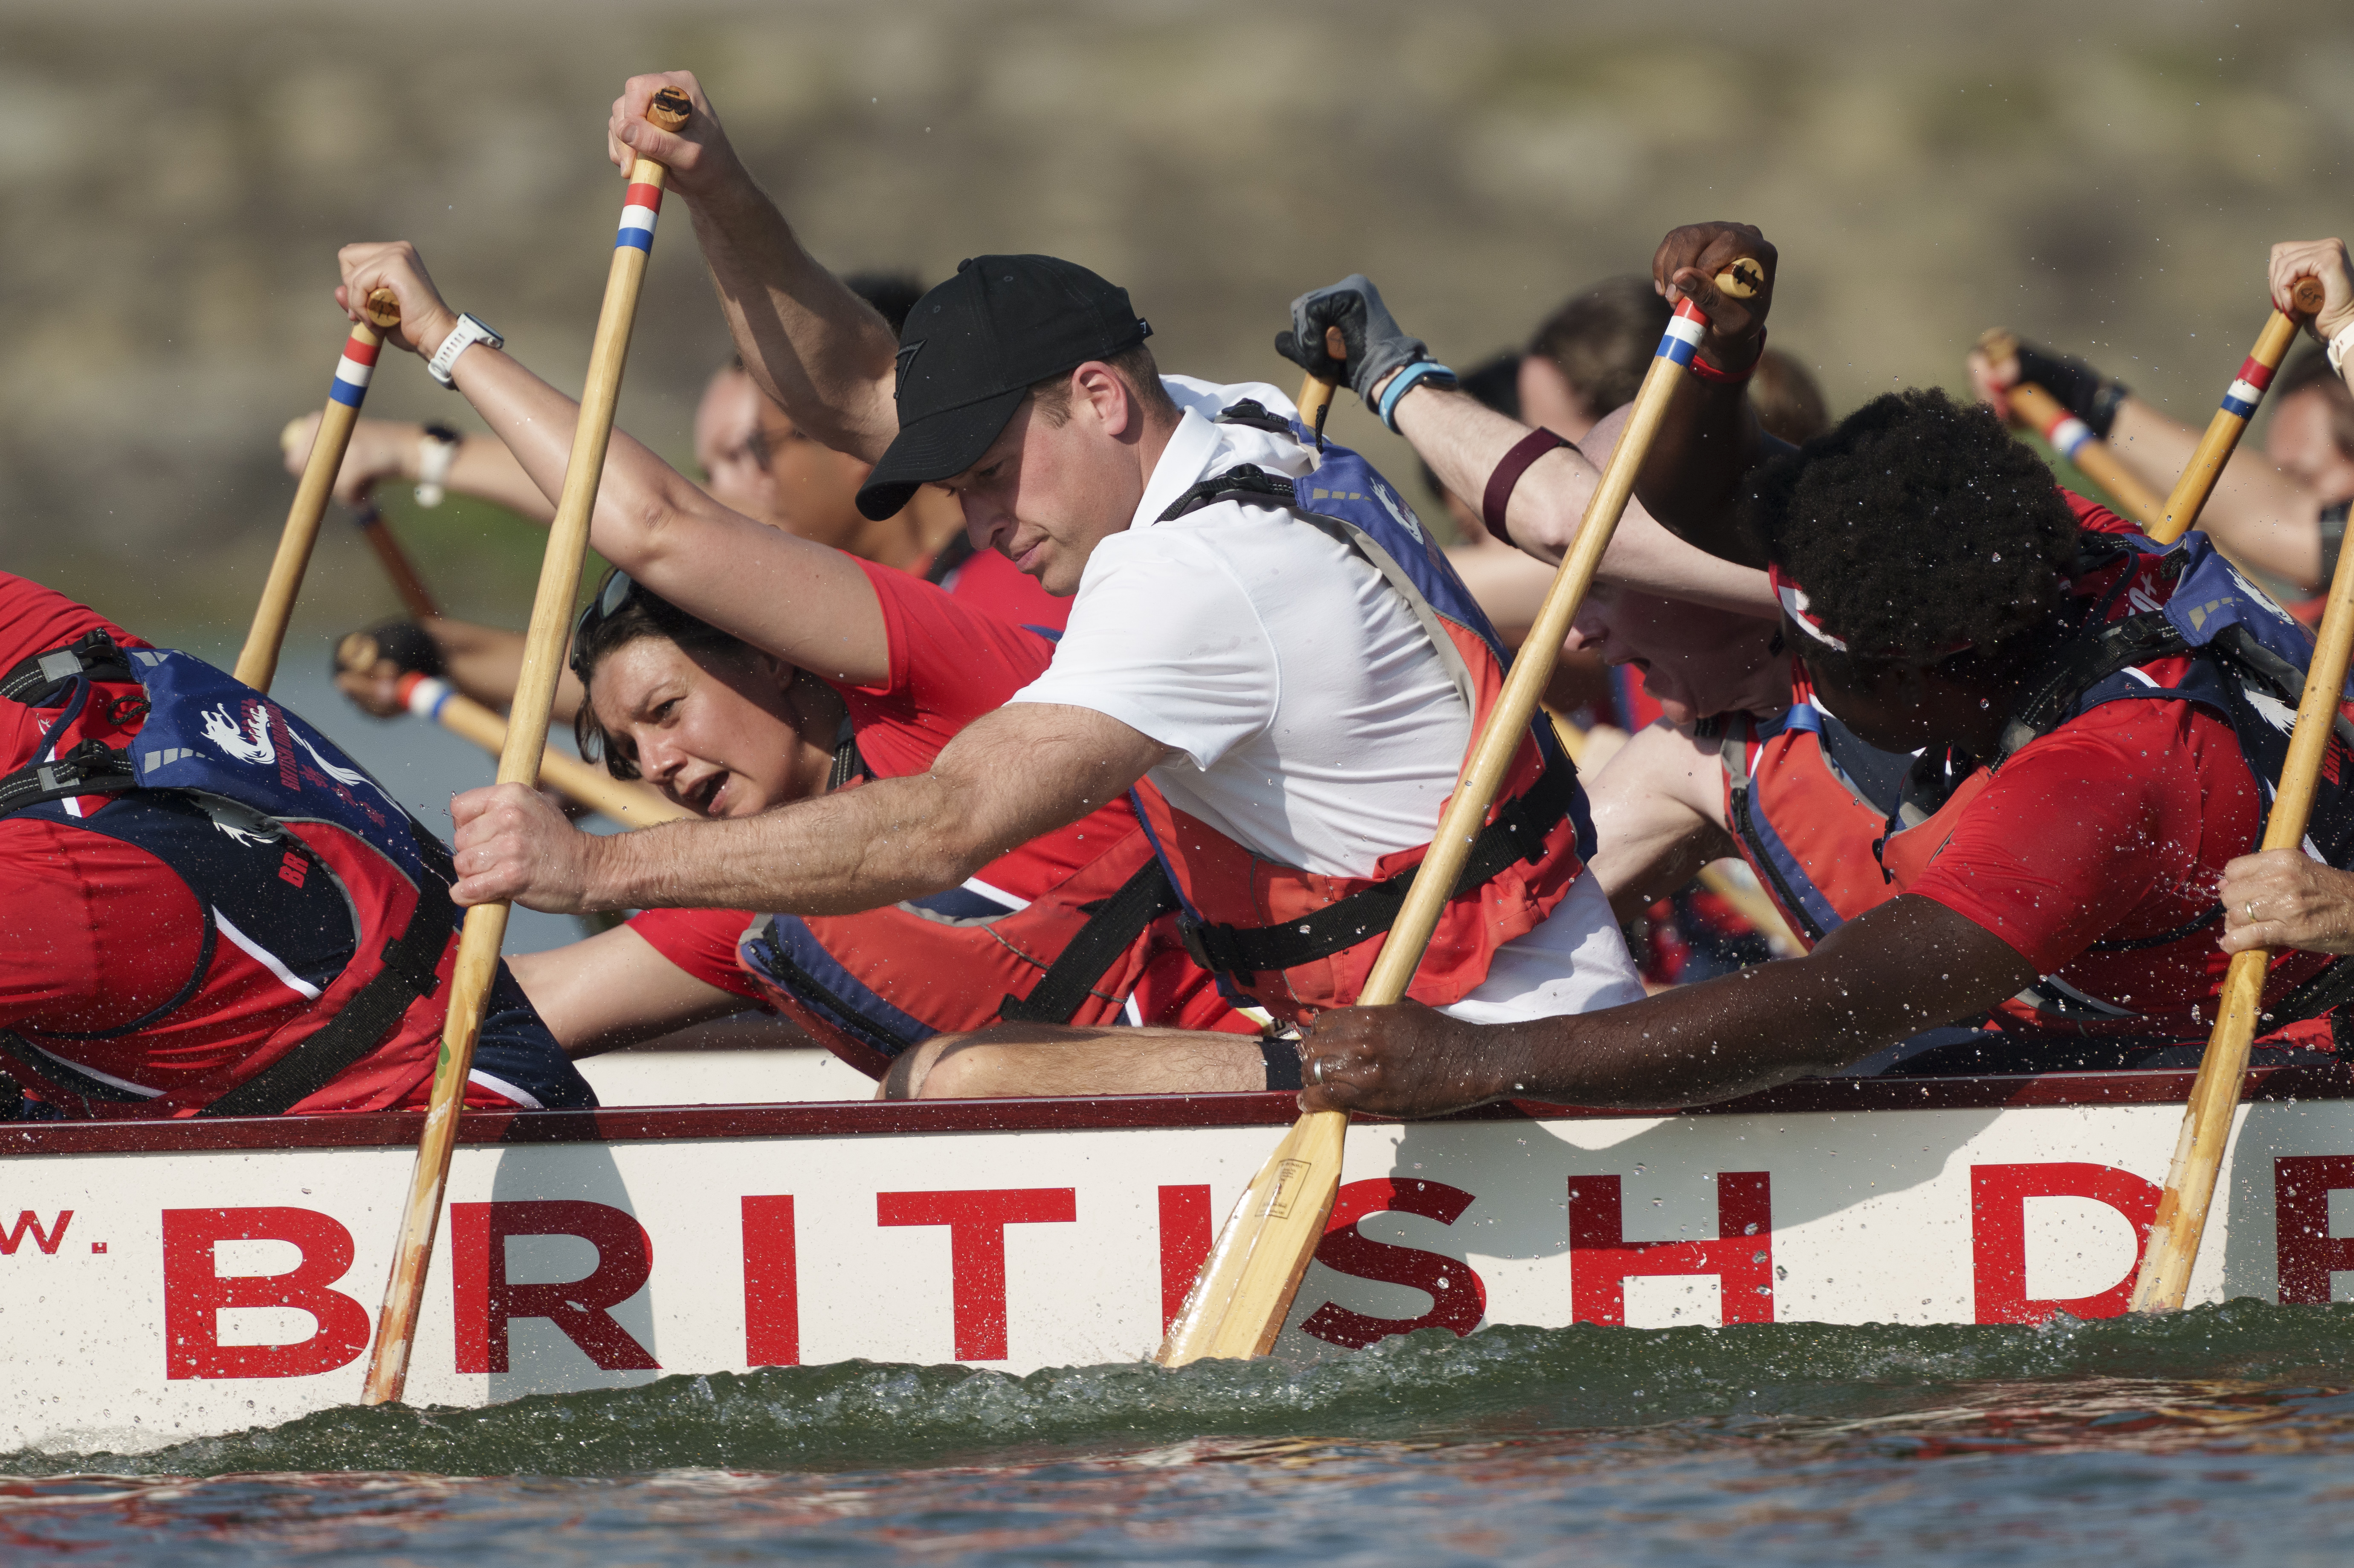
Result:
[[1313, 721]]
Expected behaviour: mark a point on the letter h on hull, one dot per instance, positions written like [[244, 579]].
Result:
[[1601, 1259]]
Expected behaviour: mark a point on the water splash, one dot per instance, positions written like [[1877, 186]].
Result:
[[1883, 1382]]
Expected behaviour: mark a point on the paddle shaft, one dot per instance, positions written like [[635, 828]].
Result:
[[527, 739], [257, 664], [631, 805], [2247, 389], [2074, 440], [2174, 1236], [1245, 1288], [415, 597]]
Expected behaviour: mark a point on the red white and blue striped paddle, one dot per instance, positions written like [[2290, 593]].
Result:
[[2240, 400], [257, 665]]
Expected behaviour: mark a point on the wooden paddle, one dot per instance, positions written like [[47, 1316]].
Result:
[[2164, 1281], [2036, 410], [257, 665], [526, 741], [2239, 399], [1245, 1288]]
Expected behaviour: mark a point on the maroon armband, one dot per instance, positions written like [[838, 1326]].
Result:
[[1507, 477], [1707, 371]]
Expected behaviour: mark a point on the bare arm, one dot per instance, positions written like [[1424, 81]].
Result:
[[2258, 514], [614, 989], [384, 449], [1463, 442], [1909, 965], [822, 352], [1657, 809], [804, 602], [1011, 775]]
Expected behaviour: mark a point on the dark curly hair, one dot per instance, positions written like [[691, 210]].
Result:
[[1917, 525]]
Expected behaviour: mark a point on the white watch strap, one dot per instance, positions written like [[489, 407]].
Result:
[[434, 456], [469, 332], [2340, 347]]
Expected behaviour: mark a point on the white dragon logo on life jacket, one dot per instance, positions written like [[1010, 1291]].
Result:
[[1398, 510], [349, 777], [223, 732]]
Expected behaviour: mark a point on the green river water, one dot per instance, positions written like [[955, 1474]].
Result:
[[2222, 1434]]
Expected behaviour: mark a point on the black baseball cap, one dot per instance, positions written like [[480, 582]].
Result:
[[973, 346]]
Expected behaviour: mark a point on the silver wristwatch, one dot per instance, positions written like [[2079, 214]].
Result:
[[463, 337]]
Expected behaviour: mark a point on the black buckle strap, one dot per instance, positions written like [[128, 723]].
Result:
[[1245, 482], [410, 962], [1257, 415], [1112, 924], [41, 680], [90, 769], [1518, 833]]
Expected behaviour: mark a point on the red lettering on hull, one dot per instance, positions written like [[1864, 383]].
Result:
[[194, 1294], [487, 1301], [2309, 1254], [1601, 1260], [46, 1240], [1185, 1242], [1999, 1196], [976, 1222], [772, 1287], [1457, 1297]]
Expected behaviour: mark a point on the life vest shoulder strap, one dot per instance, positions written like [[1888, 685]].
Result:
[[43, 680], [90, 769], [1112, 926], [1518, 833]]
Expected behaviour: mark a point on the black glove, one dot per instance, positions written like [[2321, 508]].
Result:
[[402, 641], [1376, 344], [2087, 394]]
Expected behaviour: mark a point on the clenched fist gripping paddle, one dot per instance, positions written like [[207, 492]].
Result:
[[2239, 399], [2073, 438], [257, 664], [551, 614], [2181, 1220], [1245, 1290]]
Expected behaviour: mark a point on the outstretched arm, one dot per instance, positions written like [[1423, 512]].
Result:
[[808, 604], [822, 352], [1464, 441], [1011, 775], [384, 449], [614, 989], [1909, 965]]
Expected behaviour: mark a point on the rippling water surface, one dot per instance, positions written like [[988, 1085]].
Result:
[[2222, 1434]]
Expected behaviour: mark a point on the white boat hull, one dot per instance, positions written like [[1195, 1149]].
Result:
[[164, 1281]]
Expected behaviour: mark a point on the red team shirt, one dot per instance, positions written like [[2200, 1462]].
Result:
[[950, 662], [2116, 826]]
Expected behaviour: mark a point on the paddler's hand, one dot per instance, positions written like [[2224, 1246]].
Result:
[[1377, 346], [1407, 1060], [702, 163], [2325, 259], [394, 264], [2284, 898], [1686, 266], [513, 843]]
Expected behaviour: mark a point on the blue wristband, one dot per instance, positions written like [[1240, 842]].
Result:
[[1403, 382]]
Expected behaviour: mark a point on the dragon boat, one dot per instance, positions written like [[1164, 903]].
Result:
[[164, 1280]]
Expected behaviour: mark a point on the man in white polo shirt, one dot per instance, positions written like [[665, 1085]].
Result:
[[1289, 681]]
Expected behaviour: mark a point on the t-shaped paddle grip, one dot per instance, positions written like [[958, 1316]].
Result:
[[670, 111], [2306, 296], [382, 309], [1741, 280]]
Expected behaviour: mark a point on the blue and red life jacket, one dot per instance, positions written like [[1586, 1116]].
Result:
[[297, 859], [1297, 942], [1833, 828]]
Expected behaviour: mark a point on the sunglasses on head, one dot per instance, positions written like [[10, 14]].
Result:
[[611, 595]]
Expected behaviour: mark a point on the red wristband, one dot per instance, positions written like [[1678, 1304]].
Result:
[[1507, 477], [1707, 371]]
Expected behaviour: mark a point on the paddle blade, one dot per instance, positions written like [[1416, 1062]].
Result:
[[1244, 1291]]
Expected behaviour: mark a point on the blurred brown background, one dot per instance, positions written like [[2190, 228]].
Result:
[[2106, 176]]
